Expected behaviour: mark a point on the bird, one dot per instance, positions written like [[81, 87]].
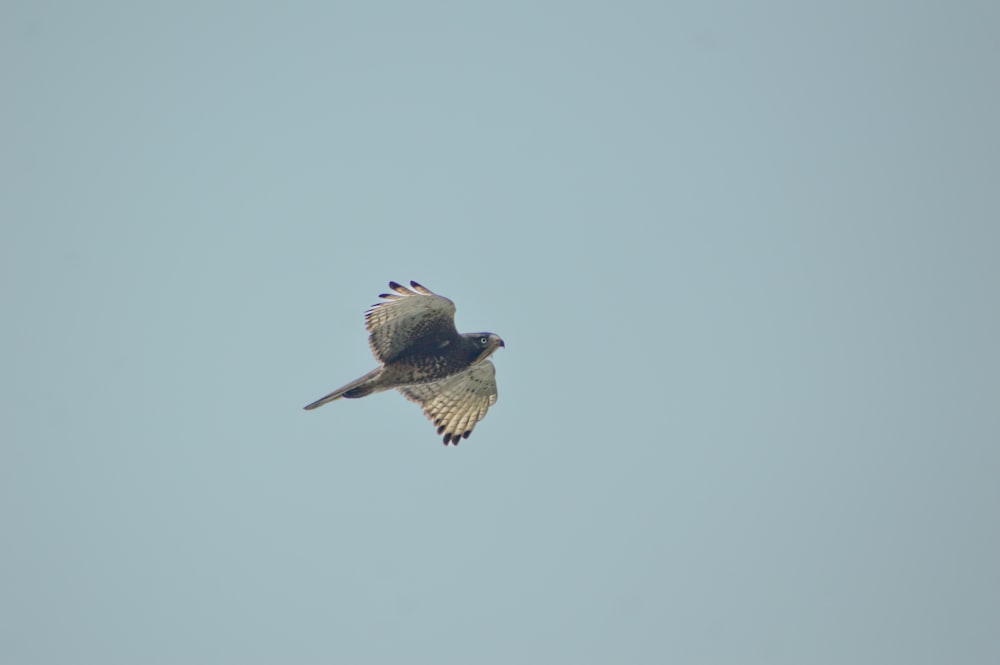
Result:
[[421, 354]]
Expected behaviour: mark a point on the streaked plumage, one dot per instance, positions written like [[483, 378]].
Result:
[[422, 354]]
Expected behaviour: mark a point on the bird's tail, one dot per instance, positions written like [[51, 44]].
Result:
[[366, 385]]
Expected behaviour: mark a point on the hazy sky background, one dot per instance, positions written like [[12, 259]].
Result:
[[744, 257]]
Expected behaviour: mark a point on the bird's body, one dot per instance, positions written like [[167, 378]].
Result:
[[422, 354]]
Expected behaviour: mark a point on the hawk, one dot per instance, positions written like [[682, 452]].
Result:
[[423, 356]]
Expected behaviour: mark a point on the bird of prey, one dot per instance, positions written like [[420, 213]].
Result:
[[423, 356]]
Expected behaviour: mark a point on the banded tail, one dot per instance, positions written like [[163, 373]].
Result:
[[366, 385]]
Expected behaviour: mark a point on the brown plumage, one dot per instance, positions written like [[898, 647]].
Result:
[[422, 354]]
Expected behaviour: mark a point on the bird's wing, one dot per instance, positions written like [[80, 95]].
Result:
[[406, 318], [457, 403]]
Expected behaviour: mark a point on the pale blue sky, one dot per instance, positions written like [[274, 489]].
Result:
[[744, 257]]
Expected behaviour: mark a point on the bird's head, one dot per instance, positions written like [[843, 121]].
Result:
[[484, 344]]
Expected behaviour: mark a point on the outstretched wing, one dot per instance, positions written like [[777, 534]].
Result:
[[457, 403], [408, 318]]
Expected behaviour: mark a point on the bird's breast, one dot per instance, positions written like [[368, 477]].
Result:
[[424, 368]]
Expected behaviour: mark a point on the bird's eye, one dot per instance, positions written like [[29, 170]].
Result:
[[483, 340]]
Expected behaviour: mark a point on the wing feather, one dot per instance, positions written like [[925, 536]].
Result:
[[406, 319], [457, 403]]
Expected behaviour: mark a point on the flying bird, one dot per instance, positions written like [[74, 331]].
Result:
[[421, 354]]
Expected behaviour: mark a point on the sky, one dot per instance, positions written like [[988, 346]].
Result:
[[744, 257]]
